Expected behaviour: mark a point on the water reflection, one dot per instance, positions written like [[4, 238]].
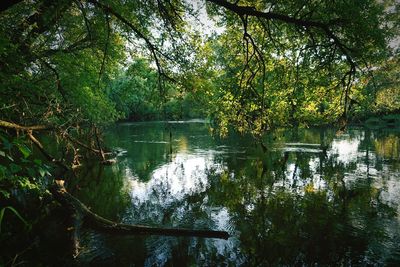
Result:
[[311, 198]]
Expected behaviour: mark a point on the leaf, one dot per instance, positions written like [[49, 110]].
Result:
[[2, 153], [24, 150], [42, 172], [1, 216], [7, 144], [3, 172]]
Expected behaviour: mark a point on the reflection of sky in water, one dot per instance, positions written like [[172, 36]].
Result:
[[346, 149], [185, 174], [293, 183]]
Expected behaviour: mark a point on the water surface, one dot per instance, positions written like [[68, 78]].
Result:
[[310, 196]]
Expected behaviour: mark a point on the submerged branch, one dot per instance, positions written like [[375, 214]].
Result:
[[73, 140], [97, 222], [96, 134]]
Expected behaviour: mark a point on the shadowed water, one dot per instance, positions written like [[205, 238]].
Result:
[[311, 197]]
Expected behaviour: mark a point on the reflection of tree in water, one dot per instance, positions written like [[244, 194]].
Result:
[[281, 222], [189, 207], [282, 206], [103, 189], [149, 145], [388, 147]]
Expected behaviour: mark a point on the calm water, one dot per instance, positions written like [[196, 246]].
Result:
[[311, 198]]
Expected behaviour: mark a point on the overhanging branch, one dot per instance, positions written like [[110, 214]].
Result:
[[11, 125], [324, 26], [152, 48], [251, 11]]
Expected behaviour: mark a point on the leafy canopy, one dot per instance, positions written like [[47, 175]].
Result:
[[66, 63]]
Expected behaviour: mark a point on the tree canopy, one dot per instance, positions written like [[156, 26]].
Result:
[[274, 63]]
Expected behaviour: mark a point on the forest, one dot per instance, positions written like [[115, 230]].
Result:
[[71, 70]]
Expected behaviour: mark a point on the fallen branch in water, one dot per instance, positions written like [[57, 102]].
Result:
[[99, 152], [87, 147], [83, 215], [96, 134]]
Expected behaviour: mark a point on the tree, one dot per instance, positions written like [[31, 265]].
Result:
[[296, 56]]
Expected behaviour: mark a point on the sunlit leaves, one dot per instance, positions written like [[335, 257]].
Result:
[[301, 75]]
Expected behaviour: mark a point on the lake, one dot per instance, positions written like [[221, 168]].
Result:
[[308, 197]]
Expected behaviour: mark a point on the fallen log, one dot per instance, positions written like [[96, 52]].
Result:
[[83, 215]]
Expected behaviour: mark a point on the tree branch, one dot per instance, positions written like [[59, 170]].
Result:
[[92, 220], [151, 47], [11, 125], [103, 63], [58, 81], [251, 11], [29, 129]]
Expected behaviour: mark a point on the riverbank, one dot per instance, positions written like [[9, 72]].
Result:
[[378, 121]]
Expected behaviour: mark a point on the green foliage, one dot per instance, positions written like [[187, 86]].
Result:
[[72, 64], [137, 95], [303, 67], [274, 64], [19, 168], [286, 74], [23, 184], [386, 87], [135, 91]]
